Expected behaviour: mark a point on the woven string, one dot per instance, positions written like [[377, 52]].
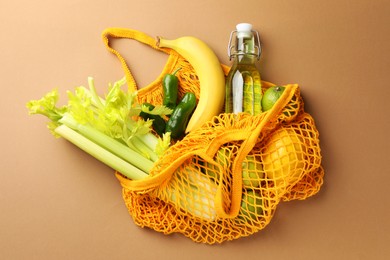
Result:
[[198, 188], [153, 208]]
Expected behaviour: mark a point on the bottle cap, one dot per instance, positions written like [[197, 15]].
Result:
[[244, 30]]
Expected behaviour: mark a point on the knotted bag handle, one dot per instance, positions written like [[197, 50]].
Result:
[[129, 34]]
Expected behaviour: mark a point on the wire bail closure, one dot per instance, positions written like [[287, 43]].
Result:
[[232, 49]]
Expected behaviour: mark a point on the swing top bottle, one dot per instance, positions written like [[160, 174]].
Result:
[[243, 83]]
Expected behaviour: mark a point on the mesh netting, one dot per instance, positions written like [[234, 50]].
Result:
[[224, 180], [189, 82]]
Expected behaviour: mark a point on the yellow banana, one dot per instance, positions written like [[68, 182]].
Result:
[[210, 74]]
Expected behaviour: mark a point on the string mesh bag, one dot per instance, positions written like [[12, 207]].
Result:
[[224, 180]]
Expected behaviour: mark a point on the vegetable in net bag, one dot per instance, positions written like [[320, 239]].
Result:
[[225, 179]]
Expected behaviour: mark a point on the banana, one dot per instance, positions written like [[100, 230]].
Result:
[[210, 74]]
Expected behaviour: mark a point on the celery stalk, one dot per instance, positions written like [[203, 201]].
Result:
[[100, 153], [150, 140], [95, 98], [108, 143], [144, 149]]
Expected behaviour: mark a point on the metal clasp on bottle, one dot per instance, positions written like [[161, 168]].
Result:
[[257, 46]]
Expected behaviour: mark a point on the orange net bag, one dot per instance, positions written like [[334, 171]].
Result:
[[224, 180]]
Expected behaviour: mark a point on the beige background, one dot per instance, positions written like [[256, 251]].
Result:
[[58, 203]]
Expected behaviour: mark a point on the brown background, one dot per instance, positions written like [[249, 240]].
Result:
[[58, 203]]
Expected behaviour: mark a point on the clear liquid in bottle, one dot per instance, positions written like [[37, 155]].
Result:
[[243, 83]]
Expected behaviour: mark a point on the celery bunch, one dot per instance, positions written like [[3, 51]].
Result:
[[107, 128]]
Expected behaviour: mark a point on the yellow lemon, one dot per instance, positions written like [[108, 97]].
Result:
[[252, 172], [222, 158], [283, 157], [251, 205]]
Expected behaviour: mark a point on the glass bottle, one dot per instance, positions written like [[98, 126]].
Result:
[[243, 83]]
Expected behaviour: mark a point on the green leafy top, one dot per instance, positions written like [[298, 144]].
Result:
[[47, 106], [116, 115]]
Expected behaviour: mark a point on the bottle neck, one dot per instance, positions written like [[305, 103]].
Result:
[[244, 52], [246, 45], [247, 59], [244, 41]]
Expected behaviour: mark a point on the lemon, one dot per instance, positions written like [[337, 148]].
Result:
[[283, 157], [251, 205], [252, 172], [222, 158], [270, 97]]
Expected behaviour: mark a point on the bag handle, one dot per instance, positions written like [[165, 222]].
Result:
[[129, 34]]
